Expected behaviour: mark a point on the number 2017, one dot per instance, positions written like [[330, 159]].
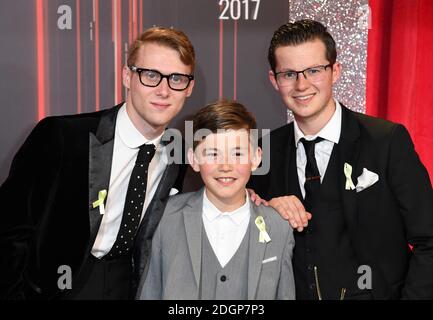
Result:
[[232, 9]]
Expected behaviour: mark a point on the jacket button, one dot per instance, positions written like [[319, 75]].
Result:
[[310, 267], [223, 278]]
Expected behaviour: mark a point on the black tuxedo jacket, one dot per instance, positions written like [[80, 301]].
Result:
[[382, 219], [46, 203]]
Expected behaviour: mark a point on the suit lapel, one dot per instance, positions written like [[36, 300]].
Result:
[[280, 155], [350, 147], [284, 181], [192, 215], [154, 211], [292, 171], [172, 142], [349, 153], [256, 253], [100, 157]]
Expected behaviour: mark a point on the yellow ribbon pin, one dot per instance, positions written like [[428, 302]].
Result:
[[263, 236], [348, 174], [100, 202]]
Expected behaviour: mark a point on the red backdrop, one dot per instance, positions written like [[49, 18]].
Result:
[[400, 69]]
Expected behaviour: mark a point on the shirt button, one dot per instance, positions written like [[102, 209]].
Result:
[[223, 278]]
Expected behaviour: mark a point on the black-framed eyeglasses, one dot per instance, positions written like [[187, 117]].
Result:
[[152, 78], [289, 77]]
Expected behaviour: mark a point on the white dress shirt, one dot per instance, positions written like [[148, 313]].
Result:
[[225, 230], [323, 149], [127, 141]]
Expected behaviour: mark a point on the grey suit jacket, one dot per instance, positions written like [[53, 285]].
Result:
[[174, 271]]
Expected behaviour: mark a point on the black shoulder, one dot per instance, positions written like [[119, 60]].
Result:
[[374, 126], [282, 131]]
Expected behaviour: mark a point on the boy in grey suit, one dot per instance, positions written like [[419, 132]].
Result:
[[214, 243]]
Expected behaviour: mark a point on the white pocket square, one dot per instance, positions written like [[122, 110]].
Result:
[[366, 179], [269, 260], [173, 191]]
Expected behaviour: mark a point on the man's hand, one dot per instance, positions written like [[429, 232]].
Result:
[[256, 198], [292, 209]]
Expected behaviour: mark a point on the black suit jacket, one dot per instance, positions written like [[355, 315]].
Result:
[[382, 219], [46, 203]]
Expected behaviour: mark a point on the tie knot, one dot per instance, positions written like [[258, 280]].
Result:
[[309, 145], [146, 153]]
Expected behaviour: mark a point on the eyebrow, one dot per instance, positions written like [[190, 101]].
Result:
[[292, 70], [216, 150]]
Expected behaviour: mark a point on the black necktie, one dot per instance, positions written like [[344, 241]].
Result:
[[312, 175], [134, 202]]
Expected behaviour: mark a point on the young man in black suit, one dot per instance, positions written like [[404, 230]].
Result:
[[68, 202], [365, 194]]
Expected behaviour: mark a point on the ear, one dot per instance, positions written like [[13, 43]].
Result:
[[190, 87], [193, 161], [126, 77], [272, 79], [257, 158], [336, 72]]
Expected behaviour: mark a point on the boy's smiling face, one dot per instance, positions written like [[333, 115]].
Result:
[[225, 161]]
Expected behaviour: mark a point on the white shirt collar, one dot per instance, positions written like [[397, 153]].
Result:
[[129, 134], [331, 131], [237, 216]]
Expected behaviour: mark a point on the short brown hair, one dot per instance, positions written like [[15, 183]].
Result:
[[299, 32], [169, 37], [223, 114]]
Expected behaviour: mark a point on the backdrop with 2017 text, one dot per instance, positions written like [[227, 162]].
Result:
[[65, 57]]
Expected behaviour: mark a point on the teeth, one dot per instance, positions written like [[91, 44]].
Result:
[[225, 179], [305, 97]]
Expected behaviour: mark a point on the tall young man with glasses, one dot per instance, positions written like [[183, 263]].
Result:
[[86, 192], [351, 184]]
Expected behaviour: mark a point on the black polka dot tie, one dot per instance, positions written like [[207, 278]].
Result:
[[134, 202]]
